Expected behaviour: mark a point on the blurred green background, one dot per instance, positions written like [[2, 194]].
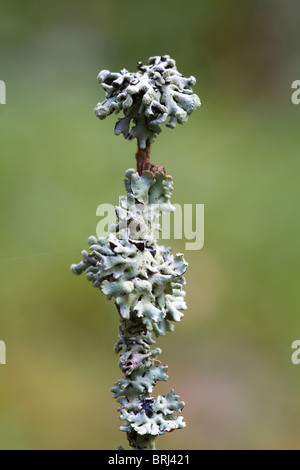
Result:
[[230, 358]]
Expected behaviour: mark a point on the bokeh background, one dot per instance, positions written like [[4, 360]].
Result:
[[230, 357]]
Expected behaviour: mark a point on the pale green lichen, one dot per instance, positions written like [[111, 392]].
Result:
[[144, 278], [156, 93], [146, 281]]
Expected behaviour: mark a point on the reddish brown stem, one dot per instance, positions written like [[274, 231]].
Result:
[[143, 162]]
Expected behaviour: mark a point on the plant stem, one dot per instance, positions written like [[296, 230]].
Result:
[[143, 162]]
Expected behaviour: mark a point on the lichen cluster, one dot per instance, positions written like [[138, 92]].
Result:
[[156, 93], [146, 281]]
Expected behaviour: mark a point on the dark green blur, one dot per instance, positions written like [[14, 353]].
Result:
[[230, 357]]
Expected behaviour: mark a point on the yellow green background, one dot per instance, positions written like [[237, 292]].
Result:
[[230, 357]]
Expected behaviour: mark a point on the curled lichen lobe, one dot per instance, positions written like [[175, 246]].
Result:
[[155, 94]]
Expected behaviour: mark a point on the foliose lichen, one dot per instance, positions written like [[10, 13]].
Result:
[[146, 281], [156, 93]]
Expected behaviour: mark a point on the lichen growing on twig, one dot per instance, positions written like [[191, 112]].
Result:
[[146, 281], [149, 97]]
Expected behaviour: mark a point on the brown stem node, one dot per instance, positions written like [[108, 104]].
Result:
[[143, 162]]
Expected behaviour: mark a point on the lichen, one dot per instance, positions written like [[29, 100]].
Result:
[[157, 93], [146, 281]]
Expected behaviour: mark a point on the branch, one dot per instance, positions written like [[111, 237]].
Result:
[[143, 162]]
